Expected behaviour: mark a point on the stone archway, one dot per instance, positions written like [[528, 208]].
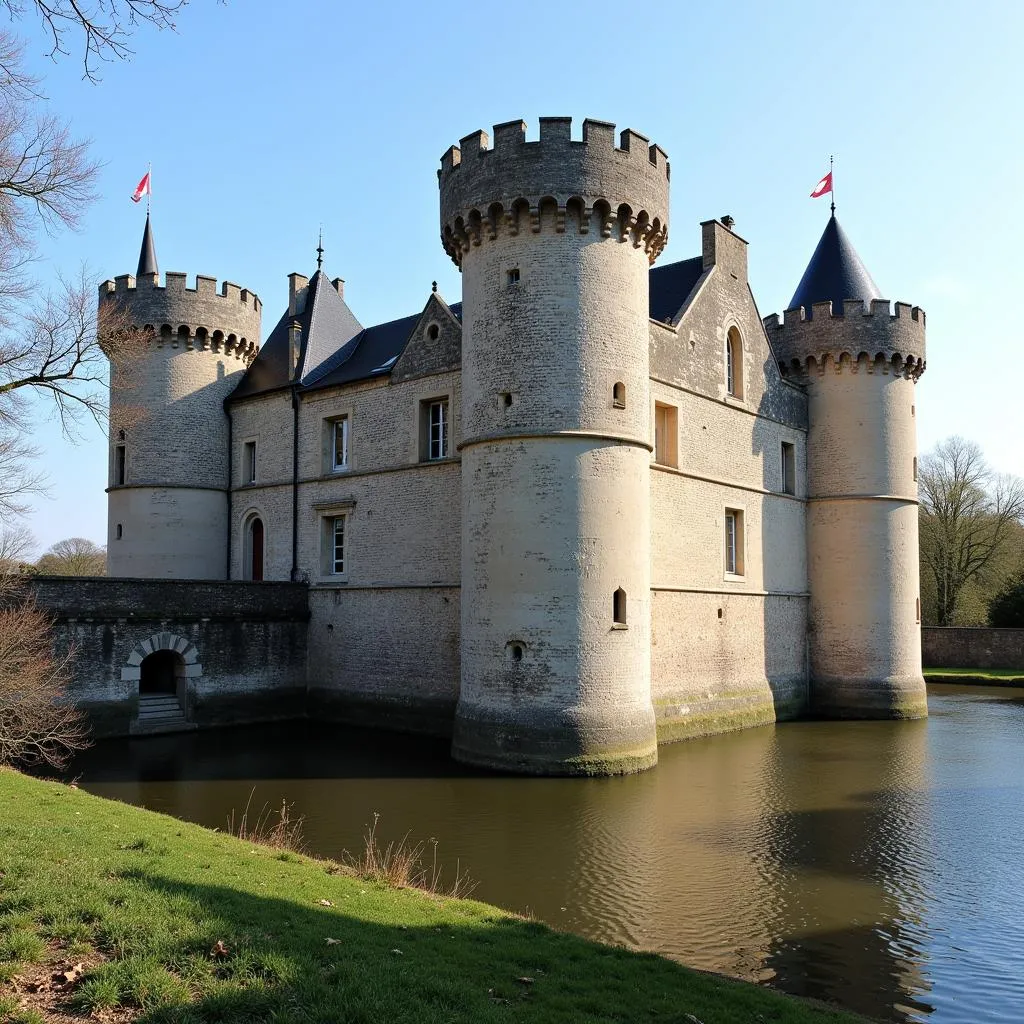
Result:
[[161, 668]]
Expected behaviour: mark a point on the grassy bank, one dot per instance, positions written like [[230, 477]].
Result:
[[119, 913], [982, 677]]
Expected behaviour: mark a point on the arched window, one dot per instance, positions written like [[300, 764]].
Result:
[[619, 607], [619, 395], [734, 363], [252, 555]]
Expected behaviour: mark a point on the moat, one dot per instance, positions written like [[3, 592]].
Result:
[[876, 865]]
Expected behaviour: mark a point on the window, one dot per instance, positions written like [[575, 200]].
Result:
[[666, 434], [788, 468], [619, 396], [339, 444], [733, 542], [119, 464], [433, 332], [434, 429], [513, 276], [249, 462], [915, 469], [734, 363], [252, 554], [337, 550], [120, 531], [619, 607]]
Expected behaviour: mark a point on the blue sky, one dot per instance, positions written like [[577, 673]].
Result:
[[265, 120]]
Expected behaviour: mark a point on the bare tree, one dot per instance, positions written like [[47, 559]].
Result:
[[16, 547], [102, 27], [75, 556], [38, 725], [967, 514]]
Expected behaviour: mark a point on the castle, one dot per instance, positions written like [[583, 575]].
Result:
[[592, 508]]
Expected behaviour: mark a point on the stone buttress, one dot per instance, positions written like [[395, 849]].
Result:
[[168, 494], [859, 361], [554, 240]]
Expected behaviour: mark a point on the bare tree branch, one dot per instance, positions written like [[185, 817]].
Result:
[[75, 556], [102, 27]]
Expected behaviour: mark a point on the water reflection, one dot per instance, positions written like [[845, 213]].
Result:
[[814, 857]]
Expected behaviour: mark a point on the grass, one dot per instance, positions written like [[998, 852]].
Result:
[[175, 923], [987, 676]]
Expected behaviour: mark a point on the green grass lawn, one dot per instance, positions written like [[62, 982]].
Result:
[[991, 676], [174, 922]]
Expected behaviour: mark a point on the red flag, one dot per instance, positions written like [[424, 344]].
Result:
[[823, 186], [144, 189]]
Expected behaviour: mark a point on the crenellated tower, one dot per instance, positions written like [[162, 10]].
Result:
[[168, 496], [859, 361], [554, 239]]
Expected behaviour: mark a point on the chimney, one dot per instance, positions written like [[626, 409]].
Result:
[[294, 345], [298, 288], [339, 286]]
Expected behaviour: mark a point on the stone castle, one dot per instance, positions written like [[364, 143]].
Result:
[[592, 508]]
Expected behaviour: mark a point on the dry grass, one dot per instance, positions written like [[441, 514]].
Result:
[[401, 864], [277, 829]]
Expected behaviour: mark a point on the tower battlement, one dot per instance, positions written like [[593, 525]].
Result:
[[202, 318], [618, 190], [865, 334]]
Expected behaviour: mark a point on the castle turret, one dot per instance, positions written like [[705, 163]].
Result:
[[167, 508], [859, 361], [554, 240]]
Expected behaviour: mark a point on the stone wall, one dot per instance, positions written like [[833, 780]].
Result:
[[957, 647], [243, 645]]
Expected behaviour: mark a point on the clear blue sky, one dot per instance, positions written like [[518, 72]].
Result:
[[263, 120]]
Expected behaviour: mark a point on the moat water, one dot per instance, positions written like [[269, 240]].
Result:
[[876, 865]]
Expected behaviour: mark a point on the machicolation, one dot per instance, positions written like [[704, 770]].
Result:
[[866, 336], [619, 190], [200, 318]]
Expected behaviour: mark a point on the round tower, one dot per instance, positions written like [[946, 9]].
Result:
[[554, 240], [167, 507], [859, 362]]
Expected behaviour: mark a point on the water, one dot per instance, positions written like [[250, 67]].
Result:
[[876, 865]]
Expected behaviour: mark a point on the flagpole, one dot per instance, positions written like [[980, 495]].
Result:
[[833, 184], [149, 194]]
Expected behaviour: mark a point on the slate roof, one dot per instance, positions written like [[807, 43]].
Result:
[[147, 254], [835, 273], [669, 287], [337, 350]]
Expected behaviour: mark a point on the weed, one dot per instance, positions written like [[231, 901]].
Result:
[[400, 864], [277, 829]]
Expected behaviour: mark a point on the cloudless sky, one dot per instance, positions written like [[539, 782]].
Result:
[[264, 120]]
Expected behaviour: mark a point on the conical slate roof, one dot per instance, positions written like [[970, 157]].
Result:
[[147, 255], [835, 273]]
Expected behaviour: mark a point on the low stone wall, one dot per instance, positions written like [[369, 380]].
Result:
[[242, 646], [977, 647]]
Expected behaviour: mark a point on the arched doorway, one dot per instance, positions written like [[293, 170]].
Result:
[[162, 689], [159, 673], [253, 554]]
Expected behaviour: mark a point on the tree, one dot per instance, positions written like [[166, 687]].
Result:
[[52, 347], [1007, 608], [103, 26], [968, 514], [75, 556], [38, 725]]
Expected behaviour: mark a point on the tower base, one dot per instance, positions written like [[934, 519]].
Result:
[[892, 698], [544, 741]]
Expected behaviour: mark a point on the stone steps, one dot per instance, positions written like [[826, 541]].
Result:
[[159, 713]]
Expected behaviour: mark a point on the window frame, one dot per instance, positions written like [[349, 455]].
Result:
[[669, 434], [734, 382], [249, 461], [787, 455], [336, 522], [328, 514], [435, 447], [734, 544], [345, 423]]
